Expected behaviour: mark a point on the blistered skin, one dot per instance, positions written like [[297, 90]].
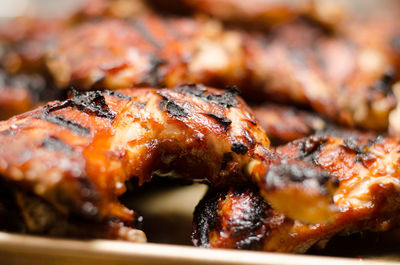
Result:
[[368, 177]]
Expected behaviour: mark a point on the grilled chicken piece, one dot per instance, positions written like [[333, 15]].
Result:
[[298, 63], [257, 13], [24, 41], [344, 80], [148, 51], [284, 123], [77, 154], [367, 198]]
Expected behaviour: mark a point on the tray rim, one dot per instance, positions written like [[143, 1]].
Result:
[[14, 245]]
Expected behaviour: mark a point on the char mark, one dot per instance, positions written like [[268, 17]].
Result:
[[310, 146], [351, 145], [54, 143], [253, 214], [205, 218], [117, 94], [361, 151], [384, 84], [283, 175], [239, 148], [222, 120], [146, 34], [171, 106], [249, 138], [376, 140], [64, 122], [246, 231], [91, 102], [227, 99], [154, 77]]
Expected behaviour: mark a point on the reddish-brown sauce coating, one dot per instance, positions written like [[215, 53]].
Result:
[[368, 177]]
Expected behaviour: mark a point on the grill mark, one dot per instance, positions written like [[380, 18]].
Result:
[[239, 148], [91, 102], [249, 138], [154, 77], [310, 147], [117, 94], [247, 232], [205, 218], [384, 84], [281, 175], [171, 106], [362, 154], [228, 99], [146, 34], [64, 122], [351, 145], [222, 120], [377, 140], [54, 143], [252, 219]]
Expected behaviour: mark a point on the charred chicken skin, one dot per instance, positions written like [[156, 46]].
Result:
[[367, 197], [77, 154]]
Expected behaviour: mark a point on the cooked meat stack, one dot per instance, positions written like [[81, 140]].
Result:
[[65, 164]]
